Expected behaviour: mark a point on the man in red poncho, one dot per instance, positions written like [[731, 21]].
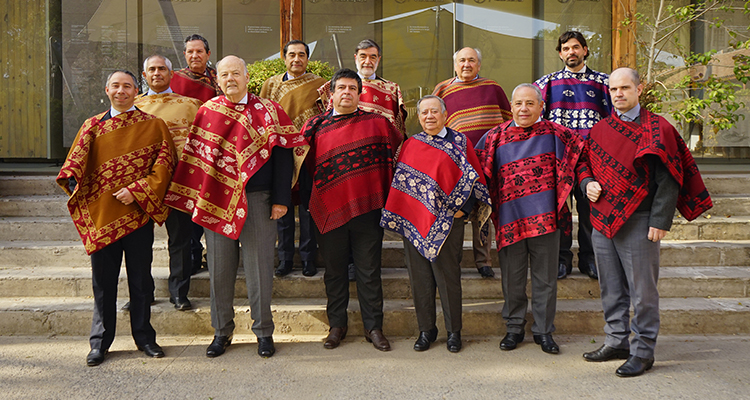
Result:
[[639, 169], [351, 168]]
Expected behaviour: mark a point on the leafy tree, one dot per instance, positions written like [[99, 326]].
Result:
[[261, 70], [693, 93]]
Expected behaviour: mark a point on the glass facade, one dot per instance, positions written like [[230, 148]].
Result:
[[102, 36], [517, 38], [418, 38]]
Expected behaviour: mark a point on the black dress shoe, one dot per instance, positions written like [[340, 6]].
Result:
[[548, 344], [562, 271], [335, 336], [265, 347], [454, 342], [352, 272], [95, 357], [606, 353], [486, 272], [285, 267], [181, 304], [217, 347], [309, 268], [511, 340], [425, 338], [152, 350], [634, 366]]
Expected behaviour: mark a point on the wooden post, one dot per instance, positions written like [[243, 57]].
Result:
[[623, 37], [291, 21]]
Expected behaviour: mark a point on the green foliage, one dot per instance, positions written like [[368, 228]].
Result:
[[696, 93], [261, 70]]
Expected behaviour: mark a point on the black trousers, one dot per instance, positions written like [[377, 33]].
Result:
[[585, 249], [179, 229], [364, 236], [308, 247], [105, 267]]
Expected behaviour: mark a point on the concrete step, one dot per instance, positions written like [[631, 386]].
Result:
[[726, 184], [72, 316], [727, 205], [34, 206], [76, 282], [706, 227], [47, 229], [674, 253], [709, 227], [29, 185]]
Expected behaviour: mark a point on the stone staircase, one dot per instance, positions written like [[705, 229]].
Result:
[[45, 279]]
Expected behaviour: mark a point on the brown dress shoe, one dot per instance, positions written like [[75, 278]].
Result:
[[377, 339], [335, 336]]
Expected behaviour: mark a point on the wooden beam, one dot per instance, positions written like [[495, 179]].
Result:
[[623, 36], [291, 21]]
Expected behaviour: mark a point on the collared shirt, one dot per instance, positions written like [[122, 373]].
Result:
[[289, 77], [442, 133], [371, 77], [630, 115], [459, 79], [513, 123], [584, 69], [114, 113], [151, 92]]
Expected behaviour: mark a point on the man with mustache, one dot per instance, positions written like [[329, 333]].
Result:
[[235, 179], [475, 105], [296, 90], [198, 81], [576, 97], [379, 96]]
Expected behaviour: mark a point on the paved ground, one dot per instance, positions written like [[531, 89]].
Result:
[[689, 367]]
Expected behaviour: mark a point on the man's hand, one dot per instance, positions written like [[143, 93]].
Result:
[[593, 190], [278, 211], [655, 234], [124, 196], [458, 214]]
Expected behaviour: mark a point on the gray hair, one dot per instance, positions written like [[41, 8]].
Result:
[[530, 86], [126, 72], [479, 54], [430, 96], [166, 61], [366, 44], [244, 64]]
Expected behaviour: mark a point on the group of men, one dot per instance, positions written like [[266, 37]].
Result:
[[339, 146]]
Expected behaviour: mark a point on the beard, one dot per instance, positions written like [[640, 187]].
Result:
[[573, 62]]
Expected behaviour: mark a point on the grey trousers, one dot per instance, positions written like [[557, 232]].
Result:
[[628, 272], [540, 254], [444, 274], [258, 239], [481, 251]]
